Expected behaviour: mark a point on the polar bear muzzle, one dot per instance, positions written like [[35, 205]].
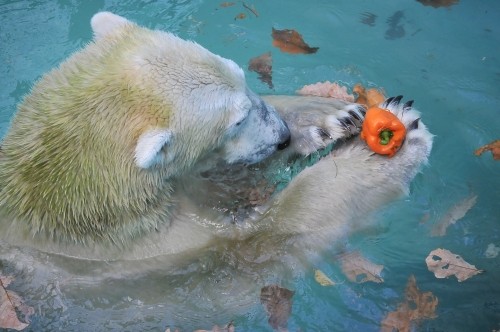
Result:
[[259, 135]]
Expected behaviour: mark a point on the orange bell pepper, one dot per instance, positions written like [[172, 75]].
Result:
[[383, 131]]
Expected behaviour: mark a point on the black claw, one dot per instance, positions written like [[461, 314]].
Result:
[[323, 133], [397, 100], [388, 101], [350, 122], [408, 104], [344, 124], [414, 124], [355, 115]]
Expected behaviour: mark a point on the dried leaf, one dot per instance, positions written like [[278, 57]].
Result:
[[322, 279], [278, 304], [9, 303], [444, 263], [290, 41], [227, 4], [359, 269], [492, 251], [438, 3], [369, 98], [454, 214], [326, 89], [263, 65], [494, 147], [417, 306], [240, 16]]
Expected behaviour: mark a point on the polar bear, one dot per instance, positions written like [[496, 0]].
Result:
[[102, 158]]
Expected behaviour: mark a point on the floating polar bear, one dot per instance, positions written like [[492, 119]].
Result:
[[101, 158]]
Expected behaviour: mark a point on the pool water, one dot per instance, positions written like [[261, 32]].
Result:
[[447, 59]]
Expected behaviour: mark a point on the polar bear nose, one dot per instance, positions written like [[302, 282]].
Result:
[[284, 144]]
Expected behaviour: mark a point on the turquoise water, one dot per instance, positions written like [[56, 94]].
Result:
[[446, 59]]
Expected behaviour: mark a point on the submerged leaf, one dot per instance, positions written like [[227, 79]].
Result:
[[263, 65], [369, 98], [290, 41], [322, 279], [326, 89], [492, 251], [9, 303], [278, 304], [359, 269], [444, 263], [494, 147], [438, 3], [227, 4], [368, 18], [417, 305], [454, 214], [240, 16]]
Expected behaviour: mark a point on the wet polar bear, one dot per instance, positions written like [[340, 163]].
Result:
[[102, 158]]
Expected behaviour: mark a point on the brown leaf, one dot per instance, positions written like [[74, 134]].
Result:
[[263, 65], [240, 16], [227, 4], [494, 147], [326, 89], [454, 214], [359, 269], [322, 279], [417, 306], [9, 303], [369, 98], [290, 41], [278, 304], [444, 263], [438, 3]]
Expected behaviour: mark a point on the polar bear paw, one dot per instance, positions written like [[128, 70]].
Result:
[[316, 122]]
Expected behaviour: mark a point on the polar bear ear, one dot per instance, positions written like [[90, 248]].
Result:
[[149, 145], [104, 23]]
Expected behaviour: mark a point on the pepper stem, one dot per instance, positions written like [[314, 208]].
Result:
[[385, 136]]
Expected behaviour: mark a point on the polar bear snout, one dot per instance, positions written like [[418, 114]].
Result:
[[260, 135], [283, 145]]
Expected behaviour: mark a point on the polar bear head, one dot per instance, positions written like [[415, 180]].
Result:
[[203, 101], [95, 148]]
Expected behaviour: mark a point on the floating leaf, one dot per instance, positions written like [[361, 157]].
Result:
[[278, 304], [263, 65], [369, 98], [438, 3], [494, 147], [454, 214], [9, 303], [359, 269], [492, 251], [227, 4], [290, 41], [444, 263], [417, 306], [240, 16], [322, 279], [326, 89]]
